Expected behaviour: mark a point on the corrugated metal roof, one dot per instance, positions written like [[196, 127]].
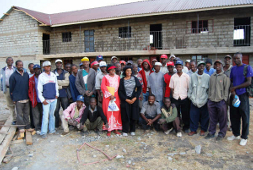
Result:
[[130, 10]]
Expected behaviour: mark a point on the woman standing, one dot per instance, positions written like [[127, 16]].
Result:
[[129, 92], [111, 102]]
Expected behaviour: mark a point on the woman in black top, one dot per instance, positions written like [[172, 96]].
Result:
[[129, 92]]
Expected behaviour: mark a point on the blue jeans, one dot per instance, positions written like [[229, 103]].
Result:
[[145, 97], [48, 111]]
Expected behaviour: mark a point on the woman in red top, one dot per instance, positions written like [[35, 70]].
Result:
[[167, 76]]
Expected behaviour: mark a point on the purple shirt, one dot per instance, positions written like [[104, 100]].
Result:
[[238, 78]]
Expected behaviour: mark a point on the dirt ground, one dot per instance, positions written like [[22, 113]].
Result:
[[150, 151]]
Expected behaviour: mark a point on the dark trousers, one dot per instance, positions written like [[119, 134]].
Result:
[[147, 127], [31, 115], [240, 113], [37, 116], [61, 102], [23, 113], [218, 114], [183, 106], [175, 124], [128, 124], [197, 114], [86, 100]]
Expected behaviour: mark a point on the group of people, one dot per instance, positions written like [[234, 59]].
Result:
[[169, 95]]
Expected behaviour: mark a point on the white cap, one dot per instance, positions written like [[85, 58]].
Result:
[[46, 63], [172, 56], [102, 64], [188, 61], [158, 64], [58, 60], [113, 57]]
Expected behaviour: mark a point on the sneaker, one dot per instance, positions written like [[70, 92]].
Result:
[[243, 142], [44, 136], [38, 132], [132, 133], [209, 136], [219, 137], [168, 131], [124, 134], [233, 137], [64, 133], [179, 134]]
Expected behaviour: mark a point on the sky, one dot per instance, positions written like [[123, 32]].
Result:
[[56, 6]]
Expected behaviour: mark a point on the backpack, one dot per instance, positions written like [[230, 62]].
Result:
[[249, 89]]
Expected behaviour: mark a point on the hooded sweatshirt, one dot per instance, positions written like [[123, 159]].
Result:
[[142, 72]]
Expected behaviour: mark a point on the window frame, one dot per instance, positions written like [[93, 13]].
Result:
[[90, 49], [200, 29], [123, 32], [66, 36]]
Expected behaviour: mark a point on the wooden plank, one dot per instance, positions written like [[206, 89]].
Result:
[[28, 138], [17, 141], [5, 129], [6, 142]]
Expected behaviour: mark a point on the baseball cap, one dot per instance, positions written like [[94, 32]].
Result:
[[179, 62], [94, 63], [36, 66], [170, 63], [158, 64], [188, 61], [129, 62], [208, 60], [236, 101], [99, 57], [201, 62], [172, 56], [85, 59], [80, 98], [46, 63], [218, 61], [122, 61], [58, 60], [228, 56], [102, 64], [113, 57], [164, 56]]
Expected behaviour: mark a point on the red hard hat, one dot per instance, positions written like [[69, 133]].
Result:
[[164, 56], [170, 63]]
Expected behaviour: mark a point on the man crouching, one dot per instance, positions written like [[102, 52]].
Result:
[[93, 118], [73, 114]]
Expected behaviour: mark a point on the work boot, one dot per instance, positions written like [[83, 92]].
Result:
[[64, 133], [192, 133]]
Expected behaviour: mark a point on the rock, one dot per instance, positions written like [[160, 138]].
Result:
[[107, 146], [171, 154], [94, 156], [77, 140], [52, 141], [115, 147], [139, 138], [119, 157], [129, 162], [149, 136], [143, 143], [170, 158], [124, 150], [15, 168], [30, 155], [133, 163], [182, 153], [144, 148], [190, 152], [209, 154], [198, 149]]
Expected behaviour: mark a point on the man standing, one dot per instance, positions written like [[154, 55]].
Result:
[[99, 78], [139, 62], [19, 85], [150, 114], [145, 72], [93, 118], [198, 94], [167, 77], [156, 83], [72, 80], [179, 84], [164, 69], [34, 98], [193, 68], [63, 83], [48, 94], [114, 60], [68, 68], [208, 70], [241, 77], [72, 115], [85, 81], [187, 64], [6, 72], [95, 65], [118, 69], [31, 71], [218, 94], [227, 68]]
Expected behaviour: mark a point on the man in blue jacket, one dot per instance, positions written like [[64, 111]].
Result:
[[72, 85], [19, 85]]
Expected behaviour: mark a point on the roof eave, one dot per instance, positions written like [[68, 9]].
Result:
[[151, 14]]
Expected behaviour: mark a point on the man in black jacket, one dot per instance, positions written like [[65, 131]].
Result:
[[93, 118], [19, 85]]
